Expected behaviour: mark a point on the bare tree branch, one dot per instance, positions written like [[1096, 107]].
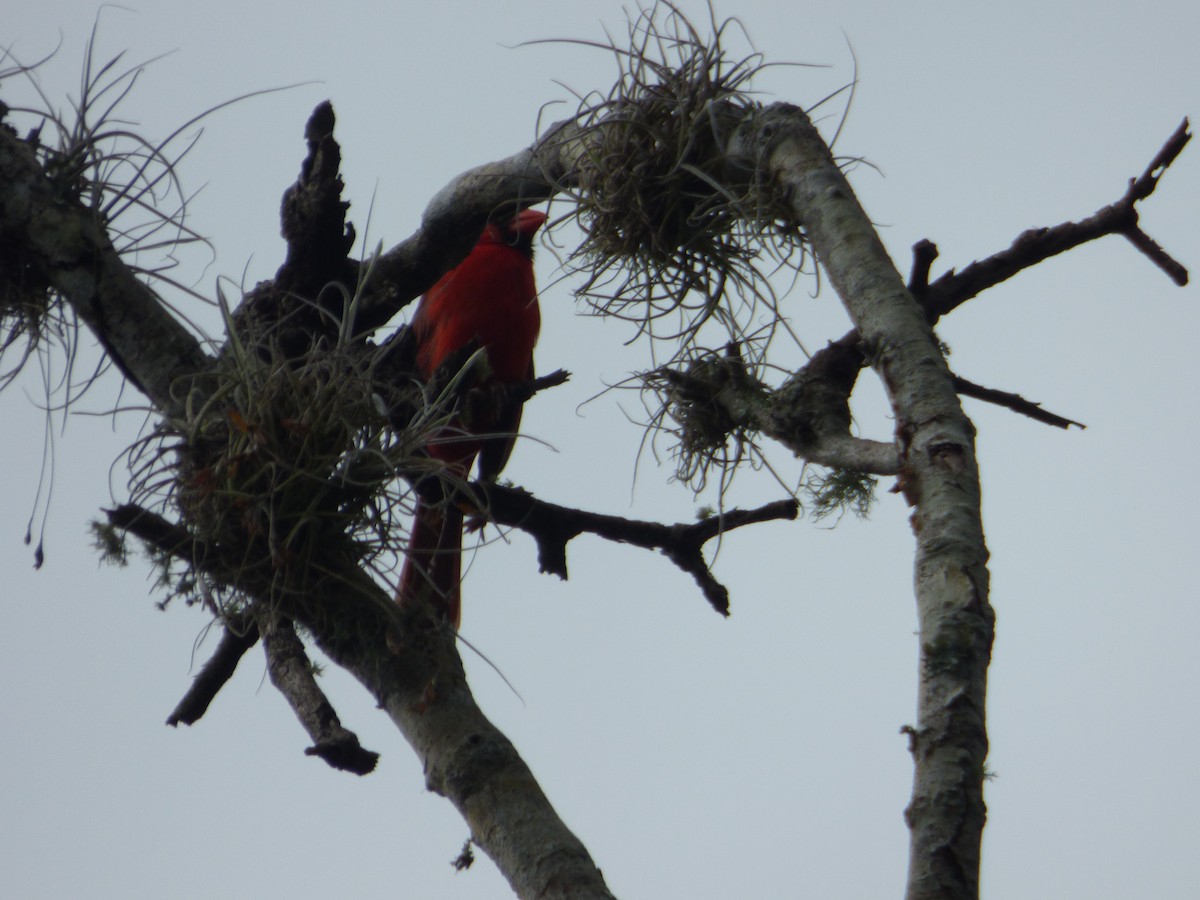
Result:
[[289, 668], [457, 213], [410, 665], [1038, 244], [925, 252], [239, 634], [157, 531], [953, 289], [553, 527], [1015, 402], [291, 672], [308, 297]]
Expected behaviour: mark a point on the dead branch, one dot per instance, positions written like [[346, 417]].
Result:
[[925, 252], [314, 214], [308, 296], [239, 634], [1015, 402], [291, 671], [553, 527], [156, 531], [240, 630], [1031, 247], [1039, 244], [457, 214]]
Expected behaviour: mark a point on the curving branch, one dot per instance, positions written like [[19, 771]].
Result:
[[458, 212], [809, 413]]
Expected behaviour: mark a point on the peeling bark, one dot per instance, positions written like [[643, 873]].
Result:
[[935, 442]]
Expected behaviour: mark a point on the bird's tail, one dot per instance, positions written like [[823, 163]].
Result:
[[433, 563]]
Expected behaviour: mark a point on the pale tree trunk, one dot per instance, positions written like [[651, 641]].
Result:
[[940, 478]]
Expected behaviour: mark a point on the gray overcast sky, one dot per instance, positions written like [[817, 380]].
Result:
[[754, 757]]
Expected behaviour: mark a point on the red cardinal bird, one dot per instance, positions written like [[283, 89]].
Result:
[[490, 300]]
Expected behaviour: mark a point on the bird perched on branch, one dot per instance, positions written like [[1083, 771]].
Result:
[[488, 301]]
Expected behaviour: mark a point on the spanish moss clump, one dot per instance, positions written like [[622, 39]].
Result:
[[677, 234], [695, 407], [93, 158], [90, 157], [285, 457], [840, 491], [130, 183]]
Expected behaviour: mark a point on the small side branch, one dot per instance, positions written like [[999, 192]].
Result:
[[291, 671], [1141, 188], [687, 550], [1015, 402], [289, 668], [156, 531], [240, 634], [925, 253], [553, 527], [241, 631]]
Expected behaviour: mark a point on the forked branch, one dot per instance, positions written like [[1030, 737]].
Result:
[[1039, 244], [554, 526]]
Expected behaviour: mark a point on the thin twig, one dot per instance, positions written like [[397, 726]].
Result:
[[1015, 402]]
